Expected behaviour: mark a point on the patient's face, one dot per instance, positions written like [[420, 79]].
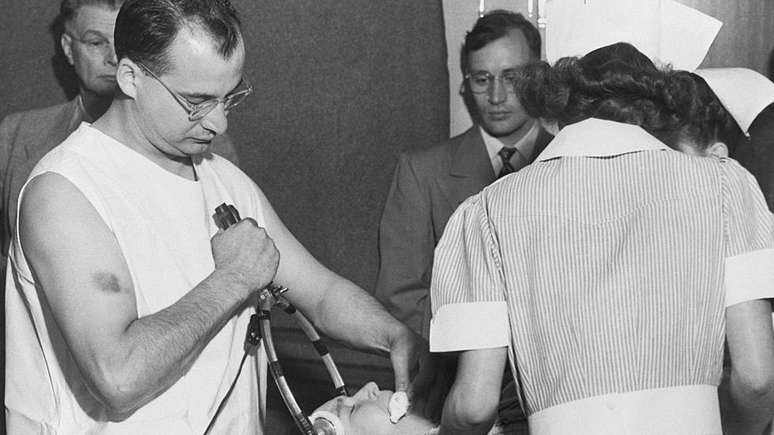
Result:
[[366, 413]]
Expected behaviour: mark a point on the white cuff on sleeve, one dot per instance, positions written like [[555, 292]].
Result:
[[469, 326], [750, 276]]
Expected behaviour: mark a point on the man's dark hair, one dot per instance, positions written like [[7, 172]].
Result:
[[495, 25], [146, 28]]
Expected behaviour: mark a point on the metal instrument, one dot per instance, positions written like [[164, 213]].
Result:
[[260, 329]]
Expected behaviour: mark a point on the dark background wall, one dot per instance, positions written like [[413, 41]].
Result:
[[341, 87]]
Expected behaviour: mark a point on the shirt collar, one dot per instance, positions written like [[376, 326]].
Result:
[[85, 116], [600, 138], [525, 145], [78, 113]]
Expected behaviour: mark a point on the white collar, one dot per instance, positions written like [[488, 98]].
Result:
[[599, 138], [525, 145]]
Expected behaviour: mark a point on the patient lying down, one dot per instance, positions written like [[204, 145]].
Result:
[[367, 413]]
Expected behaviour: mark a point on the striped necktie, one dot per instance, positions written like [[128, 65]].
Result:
[[505, 154]]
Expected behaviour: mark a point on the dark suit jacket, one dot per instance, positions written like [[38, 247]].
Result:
[[25, 137], [756, 153], [427, 187]]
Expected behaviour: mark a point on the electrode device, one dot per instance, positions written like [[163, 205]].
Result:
[[260, 329]]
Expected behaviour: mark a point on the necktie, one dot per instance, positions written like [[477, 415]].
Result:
[[505, 154]]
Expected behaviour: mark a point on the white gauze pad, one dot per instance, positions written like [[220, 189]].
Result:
[[398, 406]]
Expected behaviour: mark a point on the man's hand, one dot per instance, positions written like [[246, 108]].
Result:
[[406, 350], [245, 253], [405, 353], [433, 374]]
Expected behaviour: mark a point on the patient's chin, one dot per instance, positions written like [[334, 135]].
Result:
[[408, 425]]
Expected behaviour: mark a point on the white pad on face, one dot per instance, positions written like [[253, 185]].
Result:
[[398, 406]]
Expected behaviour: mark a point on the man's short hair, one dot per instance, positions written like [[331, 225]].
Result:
[[495, 25], [146, 28], [68, 8]]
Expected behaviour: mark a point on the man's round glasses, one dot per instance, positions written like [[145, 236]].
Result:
[[198, 111], [482, 82]]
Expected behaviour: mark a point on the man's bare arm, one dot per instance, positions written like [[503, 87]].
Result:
[[126, 360], [338, 307]]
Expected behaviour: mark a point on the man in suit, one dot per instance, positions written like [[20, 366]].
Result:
[[25, 137], [429, 184], [761, 145]]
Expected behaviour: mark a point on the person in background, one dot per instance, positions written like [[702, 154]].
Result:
[[611, 271], [126, 304], [87, 43], [759, 158], [429, 184]]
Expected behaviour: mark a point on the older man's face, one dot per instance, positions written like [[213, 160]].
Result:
[[88, 45]]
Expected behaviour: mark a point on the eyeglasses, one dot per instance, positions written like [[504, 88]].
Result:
[[482, 82], [197, 111], [95, 45]]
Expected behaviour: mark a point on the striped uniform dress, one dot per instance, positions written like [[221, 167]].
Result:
[[606, 267]]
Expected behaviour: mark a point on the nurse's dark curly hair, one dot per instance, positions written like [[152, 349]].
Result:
[[619, 83]]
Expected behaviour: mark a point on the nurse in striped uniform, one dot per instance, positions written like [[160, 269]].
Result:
[[611, 271]]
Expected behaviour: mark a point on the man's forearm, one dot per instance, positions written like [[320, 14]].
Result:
[[349, 314], [156, 350]]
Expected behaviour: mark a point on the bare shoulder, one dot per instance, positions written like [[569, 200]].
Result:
[[58, 224], [49, 195], [75, 257]]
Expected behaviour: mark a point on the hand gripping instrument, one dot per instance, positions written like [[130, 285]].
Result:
[[260, 328]]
